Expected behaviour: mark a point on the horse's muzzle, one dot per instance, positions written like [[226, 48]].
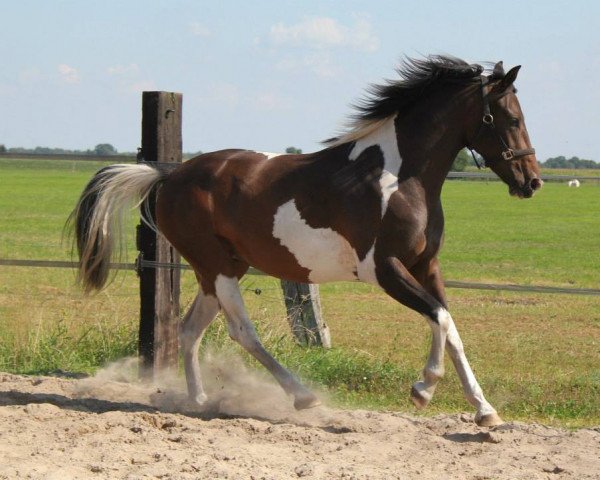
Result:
[[528, 189]]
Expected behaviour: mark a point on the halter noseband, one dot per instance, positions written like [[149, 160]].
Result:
[[487, 121]]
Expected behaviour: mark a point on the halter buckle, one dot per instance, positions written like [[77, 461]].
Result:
[[488, 119], [508, 154]]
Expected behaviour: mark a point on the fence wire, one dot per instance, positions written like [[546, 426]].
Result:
[[182, 266]]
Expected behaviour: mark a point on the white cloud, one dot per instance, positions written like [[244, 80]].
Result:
[[68, 74], [325, 32], [199, 30]]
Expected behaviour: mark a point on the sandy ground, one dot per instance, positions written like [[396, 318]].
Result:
[[111, 427]]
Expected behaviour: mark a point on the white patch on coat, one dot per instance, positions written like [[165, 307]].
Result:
[[385, 138], [389, 185], [324, 252]]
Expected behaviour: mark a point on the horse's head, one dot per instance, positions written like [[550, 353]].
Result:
[[502, 137]]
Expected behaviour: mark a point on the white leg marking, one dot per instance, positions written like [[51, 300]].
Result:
[[201, 313], [241, 330], [239, 326], [434, 368], [471, 388], [444, 332]]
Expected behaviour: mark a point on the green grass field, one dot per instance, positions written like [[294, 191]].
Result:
[[536, 355]]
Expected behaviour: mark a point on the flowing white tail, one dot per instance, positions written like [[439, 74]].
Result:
[[99, 214]]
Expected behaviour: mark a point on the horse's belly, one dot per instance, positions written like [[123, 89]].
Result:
[[324, 252]]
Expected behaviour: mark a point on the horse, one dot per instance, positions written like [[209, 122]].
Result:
[[366, 207]]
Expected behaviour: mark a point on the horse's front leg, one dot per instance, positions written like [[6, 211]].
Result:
[[430, 277], [401, 285]]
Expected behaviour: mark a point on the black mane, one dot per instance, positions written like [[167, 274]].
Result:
[[416, 76]]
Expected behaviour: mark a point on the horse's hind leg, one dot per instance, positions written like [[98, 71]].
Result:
[[202, 312], [241, 330]]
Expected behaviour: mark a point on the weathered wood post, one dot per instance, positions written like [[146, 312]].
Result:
[[159, 287], [303, 304]]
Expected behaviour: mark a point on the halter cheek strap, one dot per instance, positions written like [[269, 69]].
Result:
[[487, 122]]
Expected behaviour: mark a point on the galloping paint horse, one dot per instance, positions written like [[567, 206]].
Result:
[[365, 208]]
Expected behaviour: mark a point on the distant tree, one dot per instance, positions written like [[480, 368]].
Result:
[[293, 150], [16, 150], [462, 161], [105, 149], [555, 162], [188, 155], [573, 162], [43, 150], [2, 148]]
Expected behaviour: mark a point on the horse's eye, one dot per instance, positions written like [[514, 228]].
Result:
[[514, 122]]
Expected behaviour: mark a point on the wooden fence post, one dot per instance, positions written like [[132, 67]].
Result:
[[159, 287], [303, 304]]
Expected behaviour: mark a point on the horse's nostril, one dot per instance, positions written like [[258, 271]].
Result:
[[535, 184]]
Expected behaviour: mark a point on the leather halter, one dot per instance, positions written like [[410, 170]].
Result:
[[487, 123]]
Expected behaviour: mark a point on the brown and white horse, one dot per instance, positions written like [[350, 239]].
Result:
[[365, 208]]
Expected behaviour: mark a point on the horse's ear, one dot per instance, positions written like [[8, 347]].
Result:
[[510, 77], [498, 71]]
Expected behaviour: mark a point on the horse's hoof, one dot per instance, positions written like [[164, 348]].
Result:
[[489, 420], [420, 398], [199, 400], [308, 400]]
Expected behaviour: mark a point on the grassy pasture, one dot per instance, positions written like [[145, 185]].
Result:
[[536, 355]]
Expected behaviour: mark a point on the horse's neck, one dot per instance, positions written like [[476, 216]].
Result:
[[423, 144], [386, 139], [428, 144]]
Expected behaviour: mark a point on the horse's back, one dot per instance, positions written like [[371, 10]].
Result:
[[241, 203]]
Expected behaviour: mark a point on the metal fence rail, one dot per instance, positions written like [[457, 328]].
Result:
[[82, 157], [449, 283], [545, 177]]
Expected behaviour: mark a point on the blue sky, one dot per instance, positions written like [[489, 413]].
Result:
[[270, 74]]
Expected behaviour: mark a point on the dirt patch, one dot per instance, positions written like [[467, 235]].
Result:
[[112, 427]]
